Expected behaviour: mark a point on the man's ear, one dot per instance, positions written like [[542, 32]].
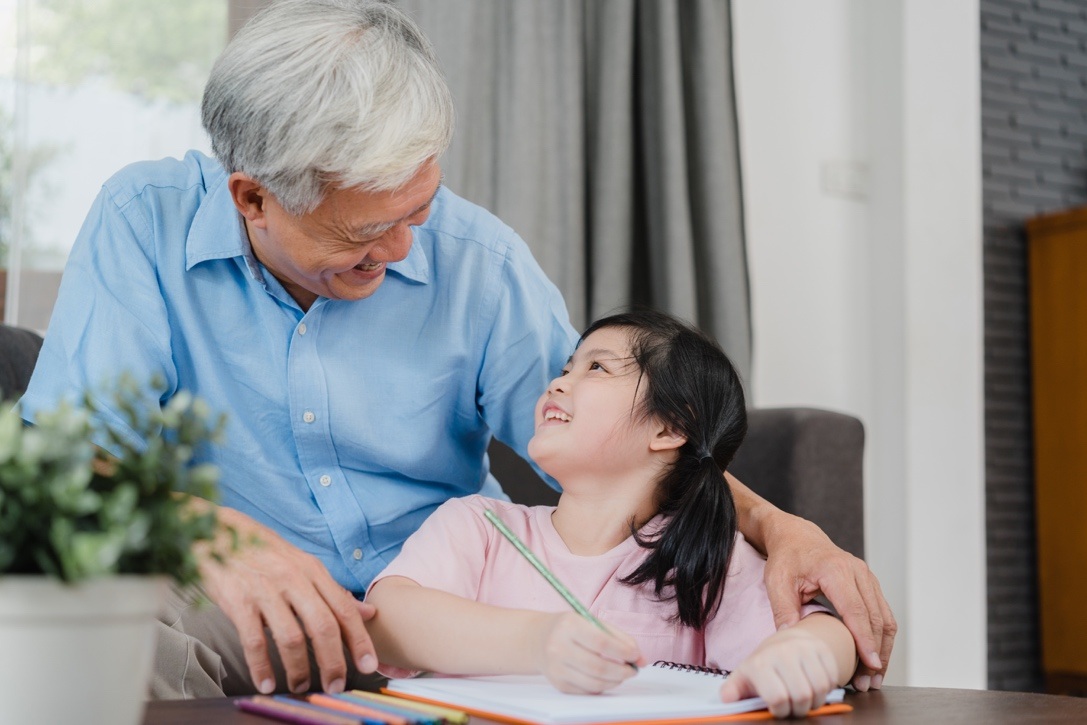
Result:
[[249, 197], [666, 439]]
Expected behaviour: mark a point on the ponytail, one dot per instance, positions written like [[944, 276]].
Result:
[[693, 389], [690, 555]]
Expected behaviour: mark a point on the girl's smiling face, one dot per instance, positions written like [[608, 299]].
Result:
[[589, 419]]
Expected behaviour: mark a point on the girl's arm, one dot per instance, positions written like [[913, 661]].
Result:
[[795, 668], [426, 629]]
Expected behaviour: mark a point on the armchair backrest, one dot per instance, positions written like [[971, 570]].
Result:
[[808, 462], [803, 460], [18, 352]]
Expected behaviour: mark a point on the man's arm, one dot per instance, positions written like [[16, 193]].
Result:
[[802, 562], [267, 582]]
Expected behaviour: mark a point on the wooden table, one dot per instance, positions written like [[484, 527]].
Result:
[[892, 705]]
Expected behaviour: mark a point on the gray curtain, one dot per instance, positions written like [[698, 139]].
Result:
[[604, 132]]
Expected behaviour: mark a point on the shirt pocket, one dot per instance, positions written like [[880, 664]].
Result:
[[656, 635]]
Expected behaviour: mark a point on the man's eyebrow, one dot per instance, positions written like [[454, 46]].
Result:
[[378, 228]]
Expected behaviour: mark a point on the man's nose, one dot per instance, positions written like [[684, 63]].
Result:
[[394, 246]]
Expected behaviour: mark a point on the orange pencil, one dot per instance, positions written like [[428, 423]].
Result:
[[335, 703]]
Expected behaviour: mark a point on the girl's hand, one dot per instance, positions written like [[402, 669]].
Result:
[[578, 657], [792, 670]]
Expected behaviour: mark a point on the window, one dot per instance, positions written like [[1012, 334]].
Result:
[[86, 87]]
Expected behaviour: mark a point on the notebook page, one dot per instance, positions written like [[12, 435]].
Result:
[[654, 693]]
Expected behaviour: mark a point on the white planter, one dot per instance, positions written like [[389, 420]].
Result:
[[76, 654]]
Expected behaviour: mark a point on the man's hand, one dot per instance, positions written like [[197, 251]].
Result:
[[269, 583], [802, 562]]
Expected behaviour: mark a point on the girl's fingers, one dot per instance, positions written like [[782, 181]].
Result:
[[815, 669], [771, 688], [799, 690]]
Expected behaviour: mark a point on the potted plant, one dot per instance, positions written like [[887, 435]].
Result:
[[88, 543]]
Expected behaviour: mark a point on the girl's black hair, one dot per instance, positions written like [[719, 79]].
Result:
[[692, 388]]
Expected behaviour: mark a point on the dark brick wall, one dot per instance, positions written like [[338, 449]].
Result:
[[1034, 160]]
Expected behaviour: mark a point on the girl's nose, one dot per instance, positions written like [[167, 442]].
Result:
[[559, 385]]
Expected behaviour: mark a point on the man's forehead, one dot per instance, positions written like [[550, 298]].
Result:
[[358, 210]]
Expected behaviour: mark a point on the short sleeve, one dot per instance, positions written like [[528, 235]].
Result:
[[744, 618], [448, 552], [109, 318]]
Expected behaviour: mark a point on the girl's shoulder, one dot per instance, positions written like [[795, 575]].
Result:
[[512, 514], [745, 566]]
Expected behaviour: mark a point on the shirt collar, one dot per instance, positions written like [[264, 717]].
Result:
[[218, 233]]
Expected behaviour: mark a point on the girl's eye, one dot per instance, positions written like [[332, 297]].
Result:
[[595, 366], [564, 372]]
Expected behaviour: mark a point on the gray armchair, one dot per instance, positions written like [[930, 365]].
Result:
[[18, 353], [804, 461]]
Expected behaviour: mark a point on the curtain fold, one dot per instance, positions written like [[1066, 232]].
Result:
[[605, 133]]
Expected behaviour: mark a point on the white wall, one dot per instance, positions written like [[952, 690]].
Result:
[[860, 131]]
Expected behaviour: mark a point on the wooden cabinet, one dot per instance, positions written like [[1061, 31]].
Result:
[[1058, 319]]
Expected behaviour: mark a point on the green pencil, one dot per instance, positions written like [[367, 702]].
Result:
[[551, 578]]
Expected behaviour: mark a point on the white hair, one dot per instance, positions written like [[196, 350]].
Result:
[[313, 94]]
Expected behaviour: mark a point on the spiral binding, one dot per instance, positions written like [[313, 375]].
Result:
[[712, 671]]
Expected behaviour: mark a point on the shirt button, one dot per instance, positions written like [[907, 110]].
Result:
[[326, 480], [308, 416], [302, 328], [357, 554]]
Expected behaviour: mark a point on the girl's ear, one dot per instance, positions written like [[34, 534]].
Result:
[[666, 439]]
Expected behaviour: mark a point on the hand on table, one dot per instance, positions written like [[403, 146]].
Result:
[[803, 563], [267, 582], [578, 657], [792, 670]]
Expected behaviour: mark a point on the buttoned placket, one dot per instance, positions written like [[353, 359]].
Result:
[[310, 424]]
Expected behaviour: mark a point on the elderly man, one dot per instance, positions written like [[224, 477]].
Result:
[[367, 331]]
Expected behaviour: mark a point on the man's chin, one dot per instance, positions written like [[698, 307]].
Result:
[[351, 287]]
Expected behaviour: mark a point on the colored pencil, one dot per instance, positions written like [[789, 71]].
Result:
[[424, 715], [551, 578], [290, 713]]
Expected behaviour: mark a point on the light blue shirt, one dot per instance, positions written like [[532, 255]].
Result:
[[348, 423]]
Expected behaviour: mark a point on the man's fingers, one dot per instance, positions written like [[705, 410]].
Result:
[[290, 641], [351, 631], [255, 646], [874, 604], [324, 635], [366, 610], [890, 630], [784, 601], [852, 603]]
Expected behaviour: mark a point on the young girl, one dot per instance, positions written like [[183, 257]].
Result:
[[638, 429]]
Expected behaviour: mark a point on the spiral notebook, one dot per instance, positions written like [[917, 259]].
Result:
[[660, 694]]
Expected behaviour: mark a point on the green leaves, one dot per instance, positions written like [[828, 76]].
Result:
[[63, 515]]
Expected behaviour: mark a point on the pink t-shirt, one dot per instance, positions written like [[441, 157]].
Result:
[[458, 551]]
